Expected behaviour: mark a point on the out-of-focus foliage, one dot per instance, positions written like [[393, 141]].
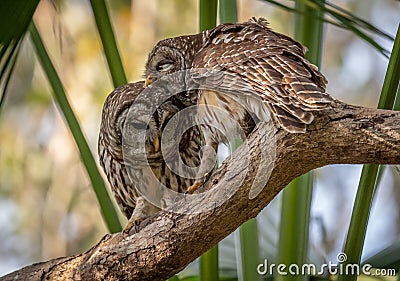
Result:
[[342, 18], [107, 209]]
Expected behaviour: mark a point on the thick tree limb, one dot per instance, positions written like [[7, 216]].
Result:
[[170, 241]]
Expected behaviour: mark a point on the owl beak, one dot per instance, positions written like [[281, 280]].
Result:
[[148, 81], [156, 144]]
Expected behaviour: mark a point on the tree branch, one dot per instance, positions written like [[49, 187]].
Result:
[[171, 240]]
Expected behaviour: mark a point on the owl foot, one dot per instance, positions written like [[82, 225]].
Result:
[[197, 184], [133, 224], [191, 189], [143, 210]]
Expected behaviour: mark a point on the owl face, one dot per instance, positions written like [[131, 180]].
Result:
[[172, 55], [163, 60], [131, 126], [139, 135], [139, 127]]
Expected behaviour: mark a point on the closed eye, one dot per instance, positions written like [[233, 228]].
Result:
[[139, 125], [164, 65]]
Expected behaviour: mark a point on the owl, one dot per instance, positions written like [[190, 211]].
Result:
[[130, 151], [247, 71]]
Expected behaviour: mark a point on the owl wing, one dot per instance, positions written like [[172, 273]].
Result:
[[253, 60]]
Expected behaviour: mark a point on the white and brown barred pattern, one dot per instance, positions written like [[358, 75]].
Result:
[[110, 148], [247, 70], [272, 68]]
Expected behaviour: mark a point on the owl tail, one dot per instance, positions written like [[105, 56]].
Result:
[[288, 121]]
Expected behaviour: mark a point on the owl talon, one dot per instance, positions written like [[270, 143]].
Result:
[[197, 184], [132, 224], [194, 187]]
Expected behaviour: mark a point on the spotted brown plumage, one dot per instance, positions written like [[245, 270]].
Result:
[[270, 66]]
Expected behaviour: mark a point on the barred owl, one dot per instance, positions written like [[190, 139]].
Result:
[[247, 70], [123, 118]]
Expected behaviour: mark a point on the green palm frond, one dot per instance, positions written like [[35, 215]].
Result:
[[358, 21], [208, 14], [370, 172], [297, 196], [228, 11], [108, 211], [108, 41], [340, 17], [208, 262], [16, 16]]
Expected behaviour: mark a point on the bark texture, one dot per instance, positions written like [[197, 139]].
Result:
[[169, 241]]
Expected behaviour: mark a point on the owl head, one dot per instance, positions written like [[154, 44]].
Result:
[[129, 128], [172, 55]]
